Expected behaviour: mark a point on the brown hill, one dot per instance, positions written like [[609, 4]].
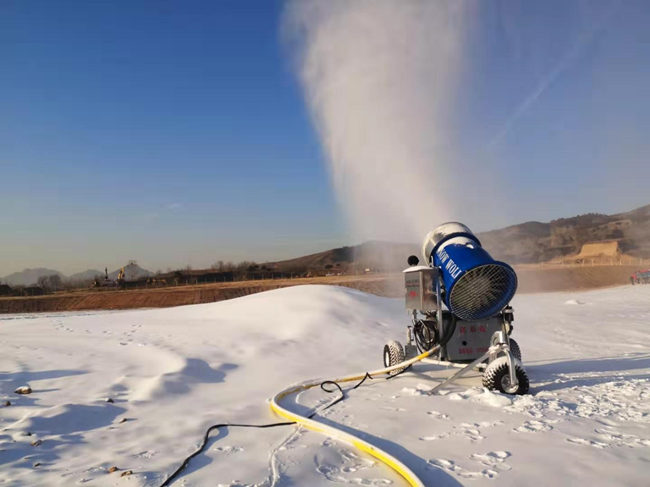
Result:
[[374, 255], [534, 242], [527, 243]]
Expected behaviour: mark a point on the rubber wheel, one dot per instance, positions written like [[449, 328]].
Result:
[[393, 355], [497, 377], [514, 349]]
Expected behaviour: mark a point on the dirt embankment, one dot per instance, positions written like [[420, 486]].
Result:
[[534, 279], [176, 296], [531, 279]]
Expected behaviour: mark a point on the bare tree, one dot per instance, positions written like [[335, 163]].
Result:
[[51, 283]]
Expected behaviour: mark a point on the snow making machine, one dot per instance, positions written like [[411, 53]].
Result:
[[459, 305]]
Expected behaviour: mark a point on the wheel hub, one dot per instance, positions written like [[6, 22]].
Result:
[[507, 386]]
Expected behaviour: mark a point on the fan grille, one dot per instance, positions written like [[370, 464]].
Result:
[[482, 292]]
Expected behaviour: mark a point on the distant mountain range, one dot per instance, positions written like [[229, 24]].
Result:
[[88, 275], [529, 242], [534, 242], [374, 255], [29, 277]]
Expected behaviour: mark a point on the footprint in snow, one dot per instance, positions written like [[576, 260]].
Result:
[[493, 459], [394, 409], [533, 426], [438, 415], [617, 439], [419, 390], [147, 454], [436, 437], [586, 442], [606, 422], [453, 467], [228, 450], [467, 431], [471, 433], [337, 465]]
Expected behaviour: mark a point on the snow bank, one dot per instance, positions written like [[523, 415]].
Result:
[[169, 373]]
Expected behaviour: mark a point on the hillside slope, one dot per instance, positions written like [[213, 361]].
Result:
[[533, 242], [29, 277], [132, 271], [374, 255], [525, 243]]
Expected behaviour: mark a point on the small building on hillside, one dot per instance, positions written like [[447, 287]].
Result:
[[601, 250]]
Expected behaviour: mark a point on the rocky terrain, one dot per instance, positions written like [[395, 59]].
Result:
[[525, 243], [534, 242]]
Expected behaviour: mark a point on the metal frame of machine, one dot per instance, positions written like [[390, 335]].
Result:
[[470, 334]]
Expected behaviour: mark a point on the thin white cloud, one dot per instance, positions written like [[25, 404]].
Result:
[[565, 62]]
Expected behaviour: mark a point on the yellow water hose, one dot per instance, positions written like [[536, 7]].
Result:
[[343, 436]]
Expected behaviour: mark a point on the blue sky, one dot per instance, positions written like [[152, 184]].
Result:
[[175, 133]]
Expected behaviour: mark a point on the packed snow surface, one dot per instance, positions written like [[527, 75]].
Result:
[[170, 373]]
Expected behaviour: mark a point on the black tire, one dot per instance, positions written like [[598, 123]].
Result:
[[393, 355], [515, 350], [497, 376]]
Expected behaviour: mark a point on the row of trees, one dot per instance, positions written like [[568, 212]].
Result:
[[219, 271], [44, 284], [50, 283], [244, 265], [6, 290]]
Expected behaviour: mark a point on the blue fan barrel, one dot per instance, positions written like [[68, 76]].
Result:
[[476, 286]]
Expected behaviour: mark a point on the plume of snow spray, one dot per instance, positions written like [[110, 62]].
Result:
[[379, 77]]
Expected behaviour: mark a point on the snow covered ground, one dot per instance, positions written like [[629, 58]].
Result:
[[172, 372]]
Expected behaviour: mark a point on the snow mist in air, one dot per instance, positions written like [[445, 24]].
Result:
[[379, 78]]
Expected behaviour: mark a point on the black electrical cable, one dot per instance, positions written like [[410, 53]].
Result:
[[424, 342], [449, 331], [367, 376], [329, 391], [392, 376], [206, 436], [426, 335]]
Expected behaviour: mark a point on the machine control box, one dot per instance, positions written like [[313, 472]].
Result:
[[420, 283], [471, 339]]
